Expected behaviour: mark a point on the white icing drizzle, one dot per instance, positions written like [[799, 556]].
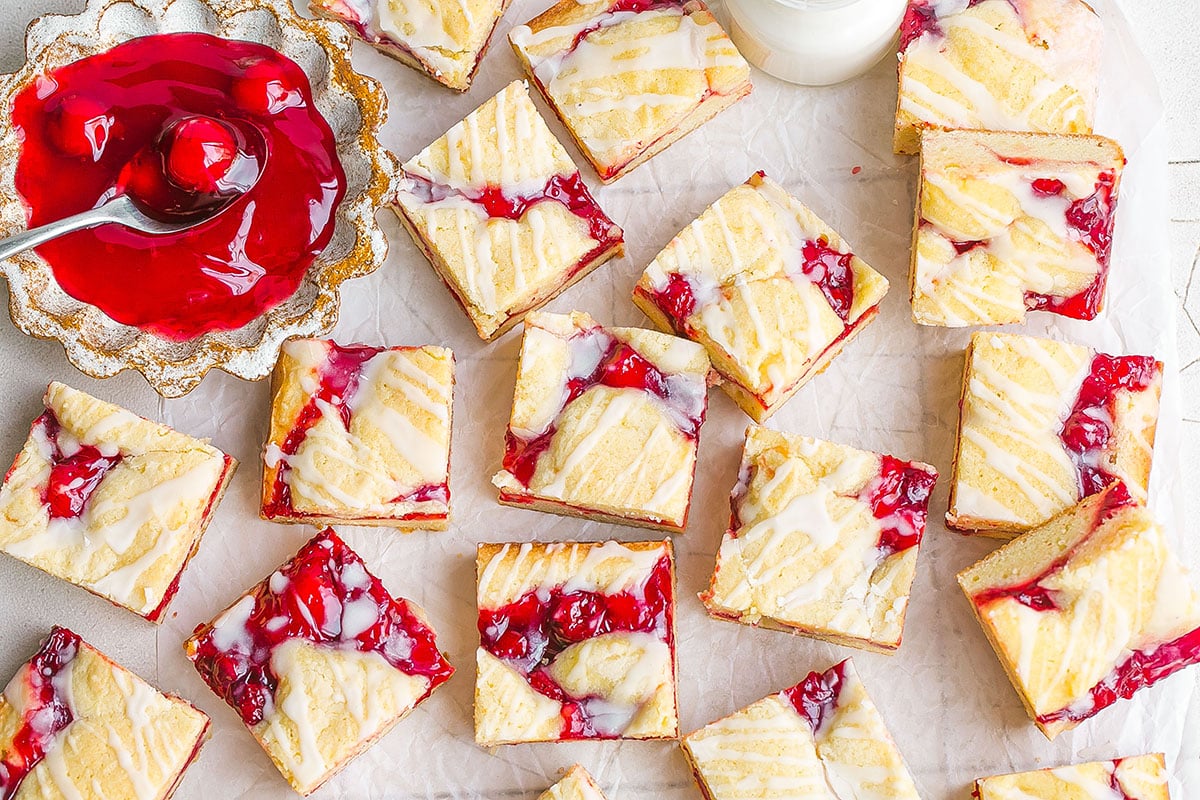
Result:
[[619, 673], [1069, 62], [360, 681], [874, 769], [521, 160], [765, 750], [1003, 405], [144, 765], [1060, 266], [329, 445], [606, 568], [803, 549], [771, 360], [586, 69]]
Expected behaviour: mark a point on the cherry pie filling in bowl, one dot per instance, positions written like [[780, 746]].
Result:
[[178, 121]]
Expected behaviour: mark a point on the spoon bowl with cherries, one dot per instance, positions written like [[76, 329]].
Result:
[[197, 168]]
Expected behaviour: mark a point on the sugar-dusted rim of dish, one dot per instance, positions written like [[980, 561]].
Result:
[[355, 107]]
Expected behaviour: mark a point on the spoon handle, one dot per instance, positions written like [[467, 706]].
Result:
[[52, 230]]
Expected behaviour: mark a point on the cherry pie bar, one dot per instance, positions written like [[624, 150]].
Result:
[[445, 39], [1086, 610], [319, 661], [1135, 778], [109, 501], [502, 213], [1012, 222], [577, 784], [1044, 424], [822, 541], [1008, 65], [360, 435], [576, 641], [605, 422], [771, 292], [628, 78], [822, 738], [73, 724]]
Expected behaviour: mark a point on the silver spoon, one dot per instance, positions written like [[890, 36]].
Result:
[[126, 209], [121, 210]]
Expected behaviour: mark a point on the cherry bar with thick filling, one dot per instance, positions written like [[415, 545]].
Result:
[[1088, 428], [47, 713], [86, 122], [311, 598], [530, 632], [618, 366]]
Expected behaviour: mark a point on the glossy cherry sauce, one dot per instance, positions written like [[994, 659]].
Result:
[[305, 599], [82, 124], [531, 631]]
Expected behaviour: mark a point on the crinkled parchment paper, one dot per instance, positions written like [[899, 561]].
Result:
[[895, 388]]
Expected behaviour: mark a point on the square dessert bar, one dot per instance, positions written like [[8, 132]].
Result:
[[772, 292], [605, 422], [319, 661], [445, 39], [1087, 609], [359, 435], [822, 540], [822, 738], [1134, 778], [73, 724], [1043, 424], [502, 213], [1012, 222], [577, 784], [1007, 65], [628, 78], [109, 501], [576, 641]]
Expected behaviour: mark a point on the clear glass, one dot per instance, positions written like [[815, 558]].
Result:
[[815, 42]]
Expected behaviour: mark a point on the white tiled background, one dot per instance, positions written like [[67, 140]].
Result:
[[1167, 32]]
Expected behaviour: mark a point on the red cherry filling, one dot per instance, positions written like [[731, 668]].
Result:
[[1048, 187], [567, 190], [73, 478], [1090, 219], [314, 597], [1086, 431], [677, 301], [93, 128], [919, 18], [899, 497], [530, 632], [1140, 669], [816, 697], [830, 270], [619, 367], [46, 714]]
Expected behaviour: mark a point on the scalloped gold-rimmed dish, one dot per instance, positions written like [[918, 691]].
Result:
[[355, 107]]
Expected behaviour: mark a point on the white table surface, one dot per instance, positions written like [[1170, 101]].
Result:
[[1166, 30]]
